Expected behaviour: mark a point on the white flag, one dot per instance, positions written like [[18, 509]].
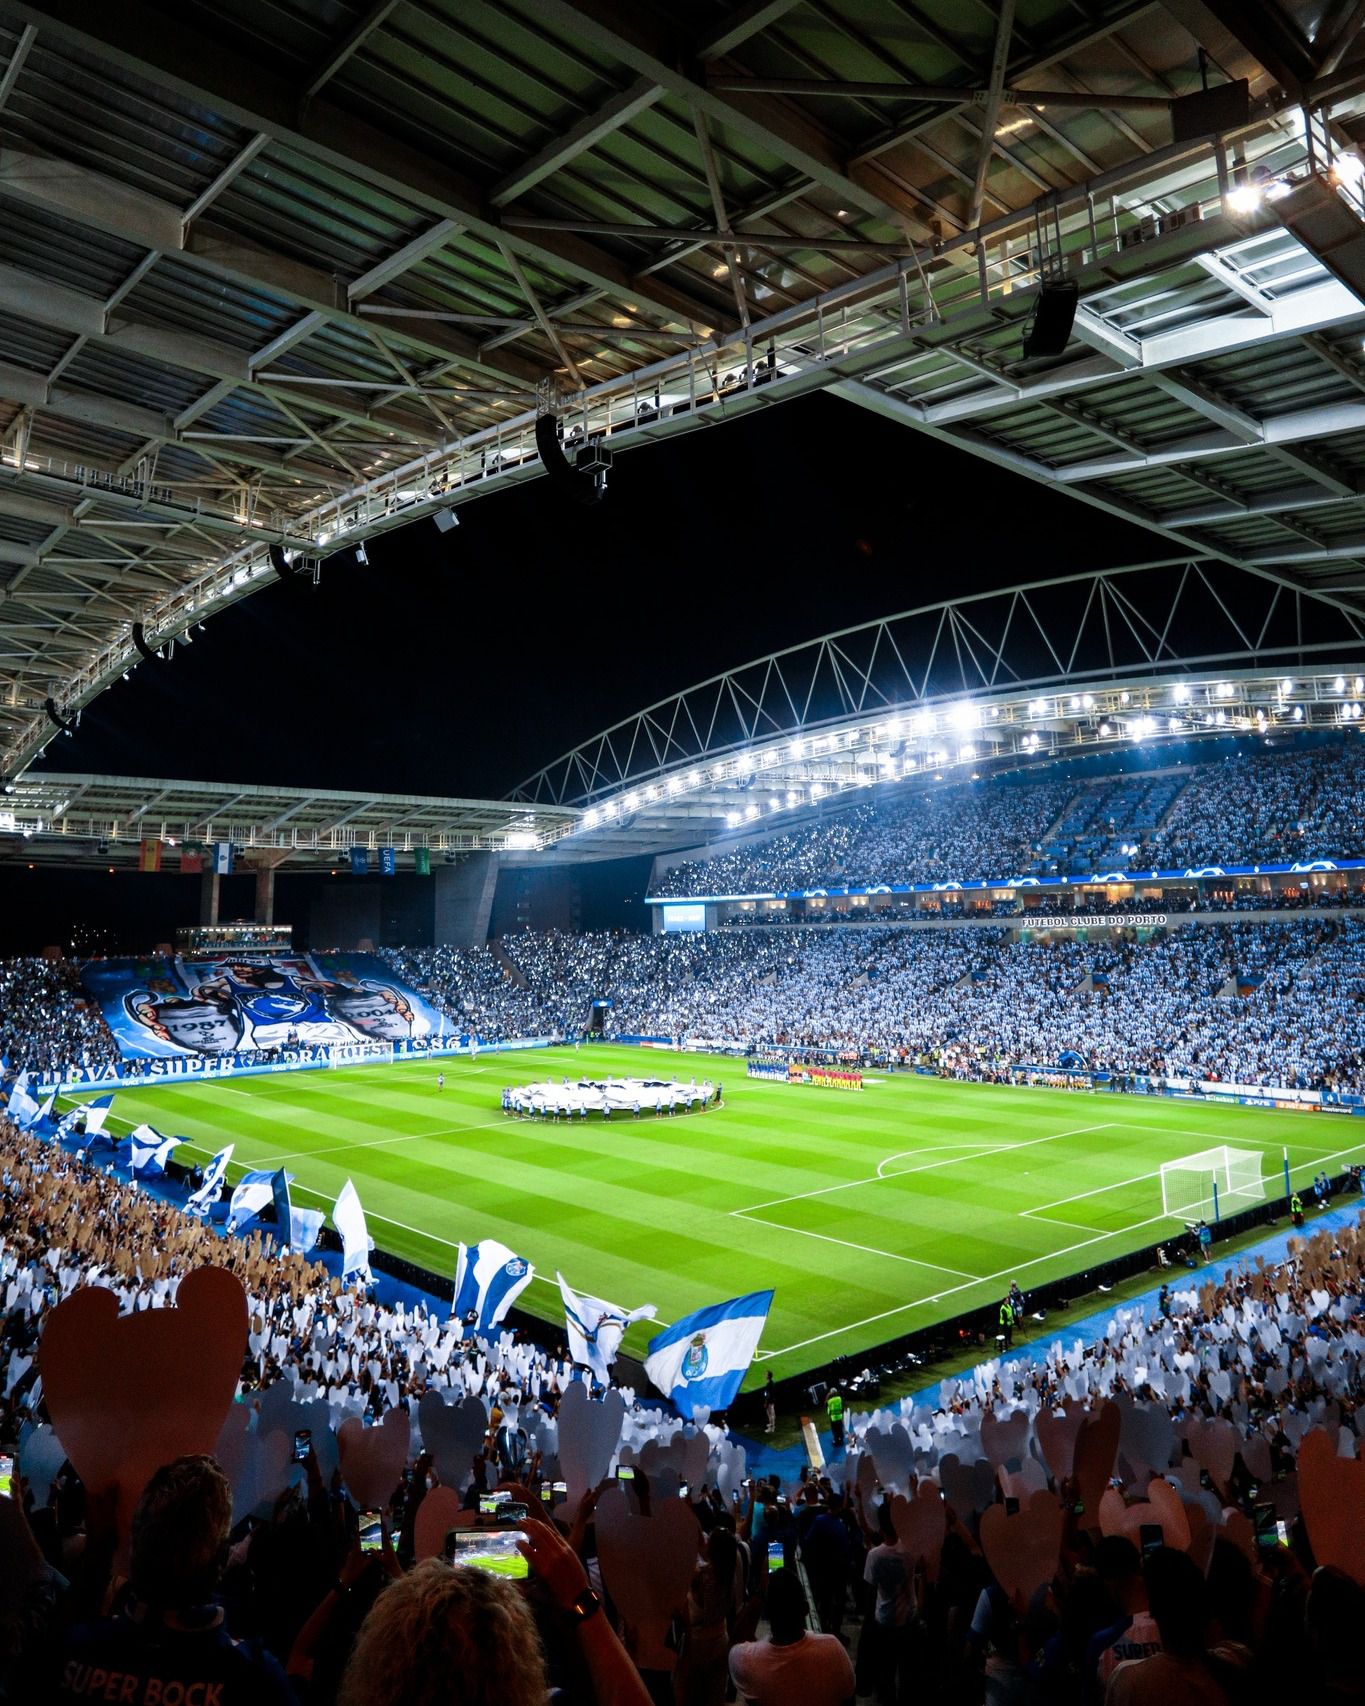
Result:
[[349, 1219], [596, 1328]]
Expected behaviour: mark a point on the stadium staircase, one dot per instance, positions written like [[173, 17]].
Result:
[[508, 964], [1105, 816]]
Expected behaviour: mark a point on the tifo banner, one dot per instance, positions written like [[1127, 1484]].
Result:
[[181, 1008]]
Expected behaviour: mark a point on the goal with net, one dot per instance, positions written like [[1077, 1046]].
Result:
[[1211, 1184]]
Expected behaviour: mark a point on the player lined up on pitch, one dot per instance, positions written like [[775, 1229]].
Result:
[[577, 1098]]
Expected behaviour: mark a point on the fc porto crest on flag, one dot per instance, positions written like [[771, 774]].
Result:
[[694, 1363]]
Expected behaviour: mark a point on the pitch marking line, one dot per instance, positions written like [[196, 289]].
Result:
[[380, 1142], [827, 1238], [950, 1161], [938, 1296]]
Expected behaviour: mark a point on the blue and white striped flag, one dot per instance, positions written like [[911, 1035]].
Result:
[[22, 1106], [596, 1328], [253, 1191], [149, 1151], [488, 1281], [95, 1115], [700, 1361], [304, 1226], [222, 858], [202, 1200], [45, 1125]]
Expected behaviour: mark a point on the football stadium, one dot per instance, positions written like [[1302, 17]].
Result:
[[644, 1064]]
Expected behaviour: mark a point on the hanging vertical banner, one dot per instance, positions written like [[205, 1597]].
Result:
[[388, 861], [191, 861], [360, 861], [222, 858], [421, 857], [149, 855]]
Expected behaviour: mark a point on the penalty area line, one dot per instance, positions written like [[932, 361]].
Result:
[[868, 1249], [953, 1291]]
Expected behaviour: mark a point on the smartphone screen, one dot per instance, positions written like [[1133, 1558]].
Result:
[[1011, 1507], [1269, 1530], [625, 1473], [777, 1557], [684, 1491], [371, 1531], [510, 1512], [303, 1444], [561, 1490], [475, 1549], [6, 1476], [489, 1502], [1150, 1537]]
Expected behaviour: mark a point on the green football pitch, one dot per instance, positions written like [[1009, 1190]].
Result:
[[869, 1214]]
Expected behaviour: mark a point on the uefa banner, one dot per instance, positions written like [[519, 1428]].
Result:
[[167, 1008]]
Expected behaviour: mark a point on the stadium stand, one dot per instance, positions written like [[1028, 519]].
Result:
[[46, 1024], [1249, 1003], [1271, 807]]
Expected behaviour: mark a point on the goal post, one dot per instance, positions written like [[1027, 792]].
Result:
[[1211, 1183]]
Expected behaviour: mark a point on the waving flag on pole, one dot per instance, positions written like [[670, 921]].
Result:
[[202, 1200], [22, 1106], [253, 1191], [488, 1281], [296, 1227], [95, 1115], [701, 1360], [148, 1151], [597, 1328], [45, 1125], [349, 1219]]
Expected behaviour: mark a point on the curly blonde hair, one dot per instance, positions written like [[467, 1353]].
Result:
[[443, 1636]]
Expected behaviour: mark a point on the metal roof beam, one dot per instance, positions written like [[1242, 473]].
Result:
[[89, 198], [577, 139], [779, 130], [164, 48]]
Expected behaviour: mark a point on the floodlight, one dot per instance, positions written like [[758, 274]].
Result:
[[445, 519], [1245, 198]]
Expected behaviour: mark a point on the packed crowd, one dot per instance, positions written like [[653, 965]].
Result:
[[473, 986], [1246, 1003], [956, 832], [1144, 1518], [1250, 1003], [1265, 808], [45, 1023]]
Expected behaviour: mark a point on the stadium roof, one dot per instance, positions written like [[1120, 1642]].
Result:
[[297, 273], [61, 819]]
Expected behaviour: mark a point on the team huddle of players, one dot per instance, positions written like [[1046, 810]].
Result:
[[222, 1006], [635, 1097]]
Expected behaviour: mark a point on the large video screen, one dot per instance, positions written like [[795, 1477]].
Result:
[[685, 915], [161, 1007]]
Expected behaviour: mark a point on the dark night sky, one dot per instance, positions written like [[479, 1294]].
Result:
[[459, 663]]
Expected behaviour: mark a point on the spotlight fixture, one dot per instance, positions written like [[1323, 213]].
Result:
[[361, 555], [445, 519]]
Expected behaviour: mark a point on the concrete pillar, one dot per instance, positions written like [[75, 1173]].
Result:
[[263, 862], [464, 899], [209, 882]]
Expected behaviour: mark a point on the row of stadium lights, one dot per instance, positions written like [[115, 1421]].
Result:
[[961, 719]]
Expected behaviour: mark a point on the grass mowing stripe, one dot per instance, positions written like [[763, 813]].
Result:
[[952, 1179]]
